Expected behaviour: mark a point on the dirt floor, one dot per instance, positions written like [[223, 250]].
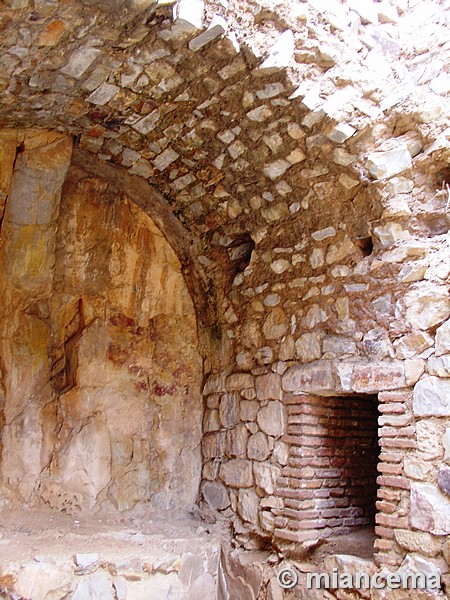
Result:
[[27, 533]]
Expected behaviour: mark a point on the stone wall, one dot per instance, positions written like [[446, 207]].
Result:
[[305, 149], [101, 370]]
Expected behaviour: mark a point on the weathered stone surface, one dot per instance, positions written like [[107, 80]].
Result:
[[237, 473], [268, 387], [42, 580], [430, 509], [258, 446], [444, 480], [317, 378], [272, 418], [415, 541], [418, 469], [248, 505], [446, 444], [239, 381], [98, 586], [386, 164], [308, 347], [443, 339], [429, 435], [276, 324], [427, 306], [215, 494], [439, 365], [432, 397], [378, 377], [229, 409], [266, 476]]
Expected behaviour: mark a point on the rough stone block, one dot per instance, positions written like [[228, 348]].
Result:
[[427, 306], [443, 339], [430, 509], [340, 133], [239, 381], [378, 377], [237, 473], [229, 410], [215, 494], [217, 28], [272, 418], [317, 378], [80, 61], [382, 165], [258, 447], [432, 397], [415, 541], [268, 387], [444, 480]]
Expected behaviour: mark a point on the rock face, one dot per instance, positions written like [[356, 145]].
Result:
[[97, 311]]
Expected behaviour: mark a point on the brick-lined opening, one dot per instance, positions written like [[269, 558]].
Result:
[[329, 485]]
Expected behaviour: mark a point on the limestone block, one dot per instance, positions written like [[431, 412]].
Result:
[[432, 397], [215, 494], [236, 441], [430, 509], [377, 377], [442, 345], [272, 418], [248, 505], [229, 409], [249, 410], [391, 233], [276, 324], [418, 469], [239, 381], [322, 234], [214, 384], [260, 114], [382, 165], [280, 452], [339, 250], [427, 306], [277, 168], [42, 580], [308, 347], [340, 133], [429, 434], [268, 387], [412, 344], [159, 586], [204, 586], [317, 377], [217, 27], [98, 586], [103, 94], [80, 61], [416, 541], [266, 476], [237, 473], [258, 447], [280, 54], [444, 480]]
